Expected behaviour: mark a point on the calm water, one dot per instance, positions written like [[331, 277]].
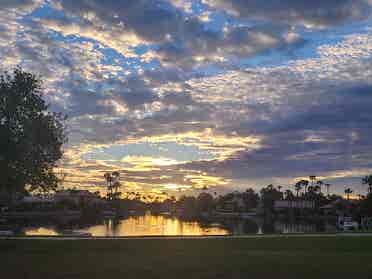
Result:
[[139, 226], [150, 225]]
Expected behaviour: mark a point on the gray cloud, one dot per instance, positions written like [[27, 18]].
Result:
[[315, 12], [312, 116], [182, 39], [328, 136]]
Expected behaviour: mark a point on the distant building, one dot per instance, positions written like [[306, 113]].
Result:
[[339, 207], [38, 200], [295, 204], [78, 197], [235, 203]]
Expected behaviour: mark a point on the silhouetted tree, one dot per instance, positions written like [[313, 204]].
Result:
[[312, 179], [109, 180], [366, 206], [348, 192], [204, 202], [298, 188], [367, 180], [112, 184], [301, 184], [320, 183], [289, 195], [327, 185], [250, 198], [188, 206], [31, 137], [269, 194]]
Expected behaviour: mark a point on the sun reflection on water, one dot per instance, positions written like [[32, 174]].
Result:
[[41, 231], [146, 225], [152, 225]]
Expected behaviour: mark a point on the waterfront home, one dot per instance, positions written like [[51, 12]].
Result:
[[38, 200], [235, 203], [339, 207], [78, 197], [293, 204]]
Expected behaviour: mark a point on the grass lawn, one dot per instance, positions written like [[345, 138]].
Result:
[[298, 257]]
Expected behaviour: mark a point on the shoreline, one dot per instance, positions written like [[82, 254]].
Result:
[[160, 237]]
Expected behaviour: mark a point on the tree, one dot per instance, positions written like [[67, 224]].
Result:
[[113, 184], [366, 206], [312, 178], [301, 184], [289, 195], [205, 202], [367, 180], [348, 191], [327, 187], [31, 136], [109, 180], [320, 183], [187, 205], [269, 195], [298, 188], [250, 198]]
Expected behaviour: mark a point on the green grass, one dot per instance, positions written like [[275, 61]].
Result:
[[297, 257]]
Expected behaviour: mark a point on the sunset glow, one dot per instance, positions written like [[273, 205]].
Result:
[[183, 95]]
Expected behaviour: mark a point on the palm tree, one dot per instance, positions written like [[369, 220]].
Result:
[[312, 179], [327, 187], [116, 187], [367, 180], [288, 195], [348, 191], [317, 189], [113, 184], [320, 183], [301, 184], [116, 183], [109, 180], [298, 187], [305, 184]]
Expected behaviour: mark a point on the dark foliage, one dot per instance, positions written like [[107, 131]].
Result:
[[31, 136]]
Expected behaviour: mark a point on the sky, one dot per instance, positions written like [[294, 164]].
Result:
[[180, 95]]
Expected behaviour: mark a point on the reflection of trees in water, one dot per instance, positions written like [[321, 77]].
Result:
[[258, 226], [241, 226], [168, 225], [112, 226]]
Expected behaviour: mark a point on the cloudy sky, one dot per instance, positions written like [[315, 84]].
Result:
[[183, 94]]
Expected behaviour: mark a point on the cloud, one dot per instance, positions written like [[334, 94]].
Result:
[[178, 38], [20, 6], [175, 71], [316, 13], [312, 115]]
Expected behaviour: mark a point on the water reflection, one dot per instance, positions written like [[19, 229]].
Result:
[[150, 225], [147, 225], [41, 231]]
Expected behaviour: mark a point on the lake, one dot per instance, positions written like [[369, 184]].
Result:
[[151, 225], [146, 225]]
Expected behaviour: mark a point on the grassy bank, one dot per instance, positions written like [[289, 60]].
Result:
[[300, 257]]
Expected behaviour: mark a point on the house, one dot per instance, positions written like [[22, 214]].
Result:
[[328, 209], [234, 203], [78, 197], [38, 200], [339, 207], [294, 204]]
